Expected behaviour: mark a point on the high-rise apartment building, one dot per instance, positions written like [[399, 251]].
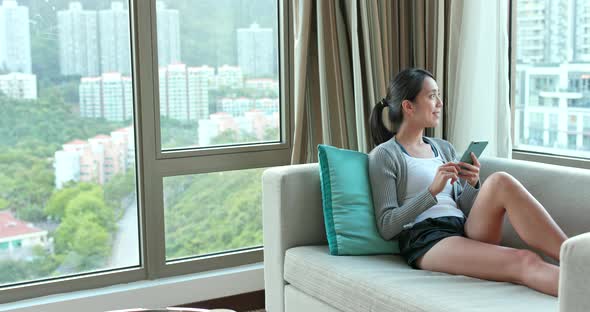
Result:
[[552, 106], [236, 106], [78, 41], [184, 91], [267, 105], [256, 55], [229, 77], [19, 86], [543, 31], [115, 46], [168, 35], [15, 38], [553, 31], [581, 31], [109, 96]]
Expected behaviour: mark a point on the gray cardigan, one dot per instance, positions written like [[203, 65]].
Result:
[[388, 175]]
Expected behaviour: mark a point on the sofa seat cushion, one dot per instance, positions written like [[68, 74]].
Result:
[[387, 283]]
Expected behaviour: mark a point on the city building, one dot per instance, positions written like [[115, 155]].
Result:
[[78, 41], [229, 77], [184, 91], [253, 123], [553, 31], [235, 106], [109, 96], [542, 31], [17, 238], [19, 86], [238, 106], [115, 46], [263, 84], [553, 107], [267, 105], [255, 49], [168, 35], [581, 33], [96, 160], [15, 38]]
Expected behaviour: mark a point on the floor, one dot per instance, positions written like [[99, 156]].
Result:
[[247, 302]]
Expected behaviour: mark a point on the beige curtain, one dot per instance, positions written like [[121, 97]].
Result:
[[478, 63], [345, 54]]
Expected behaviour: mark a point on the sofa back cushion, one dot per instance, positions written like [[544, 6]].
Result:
[[349, 216], [563, 191]]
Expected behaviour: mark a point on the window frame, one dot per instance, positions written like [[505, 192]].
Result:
[[555, 159], [153, 164]]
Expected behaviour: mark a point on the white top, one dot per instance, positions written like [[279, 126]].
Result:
[[421, 173]]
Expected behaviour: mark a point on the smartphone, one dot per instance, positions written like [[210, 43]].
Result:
[[476, 147]]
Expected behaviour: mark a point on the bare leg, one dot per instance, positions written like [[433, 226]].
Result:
[[464, 256], [501, 193]]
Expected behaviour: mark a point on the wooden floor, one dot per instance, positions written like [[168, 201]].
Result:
[[248, 302]]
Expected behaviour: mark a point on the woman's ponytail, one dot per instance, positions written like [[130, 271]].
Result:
[[379, 131], [404, 86]]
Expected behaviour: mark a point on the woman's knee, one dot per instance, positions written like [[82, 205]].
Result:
[[502, 181], [526, 261]]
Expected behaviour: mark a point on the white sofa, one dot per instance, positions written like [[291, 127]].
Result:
[[301, 276]]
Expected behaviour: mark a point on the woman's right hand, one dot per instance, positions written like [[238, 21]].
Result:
[[445, 172]]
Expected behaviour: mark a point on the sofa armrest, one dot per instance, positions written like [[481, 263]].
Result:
[[291, 216], [574, 289]]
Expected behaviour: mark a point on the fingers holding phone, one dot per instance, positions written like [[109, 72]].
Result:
[[470, 172], [444, 173]]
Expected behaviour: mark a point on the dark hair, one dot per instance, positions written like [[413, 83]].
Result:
[[405, 86]]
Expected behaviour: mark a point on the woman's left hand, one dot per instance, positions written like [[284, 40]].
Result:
[[469, 172]]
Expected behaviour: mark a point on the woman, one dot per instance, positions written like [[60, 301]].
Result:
[[444, 218]]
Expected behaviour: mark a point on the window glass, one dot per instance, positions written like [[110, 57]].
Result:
[[218, 81], [212, 212], [552, 76], [67, 157]]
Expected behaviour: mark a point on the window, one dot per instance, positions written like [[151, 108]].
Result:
[[72, 67], [553, 126], [552, 77], [214, 212], [218, 97], [223, 89], [572, 124], [586, 142], [210, 114]]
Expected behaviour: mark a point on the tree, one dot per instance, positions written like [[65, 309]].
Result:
[[92, 206], [228, 136], [120, 186], [81, 237], [61, 198], [213, 212], [271, 134], [92, 243]]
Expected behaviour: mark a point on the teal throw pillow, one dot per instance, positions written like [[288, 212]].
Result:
[[348, 204]]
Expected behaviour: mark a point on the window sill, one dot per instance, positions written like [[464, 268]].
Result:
[[552, 159], [155, 293]]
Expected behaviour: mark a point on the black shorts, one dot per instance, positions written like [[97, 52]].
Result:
[[416, 241]]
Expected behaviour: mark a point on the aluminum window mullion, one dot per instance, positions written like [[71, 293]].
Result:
[[146, 86]]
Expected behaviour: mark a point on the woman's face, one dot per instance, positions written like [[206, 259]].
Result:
[[427, 106]]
